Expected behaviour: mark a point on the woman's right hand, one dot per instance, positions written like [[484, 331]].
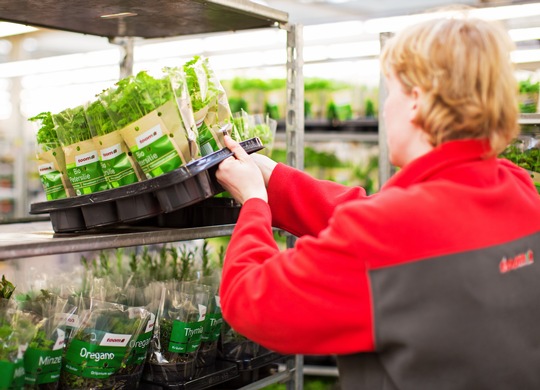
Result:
[[265, 164]]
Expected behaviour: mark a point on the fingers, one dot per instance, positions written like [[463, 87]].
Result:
[[235, 147]]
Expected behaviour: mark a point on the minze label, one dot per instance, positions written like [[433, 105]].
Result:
[[149, 136]]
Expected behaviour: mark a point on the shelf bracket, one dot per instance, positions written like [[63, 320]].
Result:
[[126, 61]]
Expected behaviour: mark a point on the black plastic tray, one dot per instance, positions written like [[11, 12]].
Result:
[[185, 186], [253, 369], [209, 212], [207, 377]]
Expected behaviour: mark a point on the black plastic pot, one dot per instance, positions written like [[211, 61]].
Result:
[[169, 372]]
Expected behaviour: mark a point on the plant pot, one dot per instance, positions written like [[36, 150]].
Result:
[[206, 356], [169, 372]]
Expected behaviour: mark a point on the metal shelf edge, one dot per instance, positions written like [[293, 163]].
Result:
[[39, 239]]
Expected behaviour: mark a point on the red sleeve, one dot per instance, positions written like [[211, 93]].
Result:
[[313, 299], [303, 205]]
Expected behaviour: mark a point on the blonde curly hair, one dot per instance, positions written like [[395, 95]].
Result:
[[463, 67]]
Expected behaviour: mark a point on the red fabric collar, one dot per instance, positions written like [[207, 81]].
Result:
[[448, 154]]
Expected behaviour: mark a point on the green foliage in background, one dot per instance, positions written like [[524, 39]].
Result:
[[528, 158], [529, 96], [312, 158], [370, 108]]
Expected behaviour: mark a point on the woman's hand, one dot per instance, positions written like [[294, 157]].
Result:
[[265, 164], [240, 175]]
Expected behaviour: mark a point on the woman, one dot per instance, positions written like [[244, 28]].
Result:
[[431, 283]]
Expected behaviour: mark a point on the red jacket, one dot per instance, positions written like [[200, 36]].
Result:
[[416, 273]]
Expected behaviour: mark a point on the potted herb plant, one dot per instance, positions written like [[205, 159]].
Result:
[[177, 336], [144, 110], [43, 357], [97, 355], [211, 108], [82, 159], [17, 328], [117, 163], [51, 159]]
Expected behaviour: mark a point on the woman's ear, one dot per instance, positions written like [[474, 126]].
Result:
[[416, 97]]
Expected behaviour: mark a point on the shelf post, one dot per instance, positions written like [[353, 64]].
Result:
[[294, 133], [294, 119], [126, 61]]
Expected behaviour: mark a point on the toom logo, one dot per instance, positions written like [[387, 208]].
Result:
[[45, 168], [518, 261], [115, 340], [110, 152], [151, 323], [149, 136], [87, 158], [68, 319]]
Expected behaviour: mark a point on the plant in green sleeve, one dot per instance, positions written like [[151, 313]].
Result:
[[43, 357], [17, 329], [99, 353], [178, 331], [134, 97], [144, 111], [82, 159], [210, 105], [50, 156]]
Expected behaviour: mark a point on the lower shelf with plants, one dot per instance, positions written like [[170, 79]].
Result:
[[144, 317]]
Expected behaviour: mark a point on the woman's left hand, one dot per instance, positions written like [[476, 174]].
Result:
[[239, 175]]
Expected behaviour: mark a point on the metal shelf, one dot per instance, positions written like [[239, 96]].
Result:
[[336, 136], [156, 19], [529, 119], [29, 239], [146, 19]]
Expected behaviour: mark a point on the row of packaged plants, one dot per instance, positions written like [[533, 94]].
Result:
[[528, 96], [323, 98], [129, 315], [139, 128], [331, 99]]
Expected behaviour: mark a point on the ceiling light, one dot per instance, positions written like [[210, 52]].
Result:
[[118, 15], [507, 11], [525, 34], [395, 23], [525, 56], [330, 31]]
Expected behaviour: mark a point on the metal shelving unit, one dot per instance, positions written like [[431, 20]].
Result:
[[529, 119], [121, 21]]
